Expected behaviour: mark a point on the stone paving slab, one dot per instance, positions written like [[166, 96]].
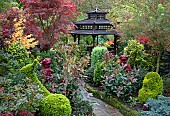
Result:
[[103, 109], [100, 108]]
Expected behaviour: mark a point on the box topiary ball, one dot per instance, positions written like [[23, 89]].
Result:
[[55, 105], [151, 88]]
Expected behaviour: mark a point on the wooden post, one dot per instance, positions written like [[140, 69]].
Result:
[[74, 35], [94, 36], [78, 39], [97, 40], [115, 42]]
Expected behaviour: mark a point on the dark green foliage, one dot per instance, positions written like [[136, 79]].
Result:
[[166, 83], [56, 57], [55, 105], [4, 58], [139, 74], [19, 93], [157, 107], [102, 39], [82, 108], [165, 63], [152, 87], [89, 74], [97, 54]]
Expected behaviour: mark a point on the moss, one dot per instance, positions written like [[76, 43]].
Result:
[[55, 105], [151, 88], [113, 102]]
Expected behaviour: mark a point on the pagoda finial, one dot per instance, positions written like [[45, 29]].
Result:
[[97, 9]]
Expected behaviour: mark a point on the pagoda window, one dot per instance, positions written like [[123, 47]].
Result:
[[92, 16], [101, 16]]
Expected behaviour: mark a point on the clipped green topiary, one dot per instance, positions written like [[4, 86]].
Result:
[[151, 88], [99, 72], [55, 105], [52, 104], [97, 54]]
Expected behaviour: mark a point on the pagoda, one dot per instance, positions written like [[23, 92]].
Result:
[[95, 24]]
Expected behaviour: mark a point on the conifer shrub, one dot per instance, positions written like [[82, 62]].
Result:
[[97, 54], [56, 105], [157, 107], [151, 88], [99, 73]]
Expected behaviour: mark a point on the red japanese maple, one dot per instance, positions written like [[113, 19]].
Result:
[[6, 21], [53, 17], [45, 19]]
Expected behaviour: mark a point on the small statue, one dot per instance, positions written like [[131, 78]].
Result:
[[47, 71]]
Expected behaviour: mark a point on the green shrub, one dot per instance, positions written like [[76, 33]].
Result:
[[157, 107], [151, 88], [97, 54], [19, 93], [136, 54], [19, 53], [56, 105], [99, 73], [118, 82]]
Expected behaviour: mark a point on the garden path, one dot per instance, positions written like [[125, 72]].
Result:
[[100, 108]]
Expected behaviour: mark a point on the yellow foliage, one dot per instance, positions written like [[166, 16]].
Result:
[[26, 40]]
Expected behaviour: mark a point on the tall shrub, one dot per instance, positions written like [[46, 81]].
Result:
[[136, 54], [99, 73]]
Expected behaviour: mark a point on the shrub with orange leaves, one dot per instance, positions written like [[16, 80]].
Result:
[[18, 36], [109, 43]]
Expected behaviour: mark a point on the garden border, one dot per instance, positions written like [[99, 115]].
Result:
[[113, 102]]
